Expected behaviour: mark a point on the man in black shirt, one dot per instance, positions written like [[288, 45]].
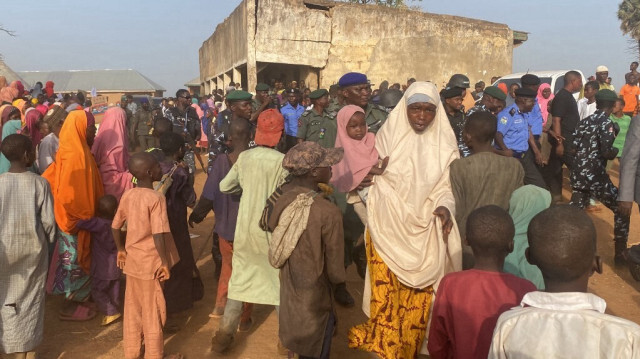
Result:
[[186, 123], [565, 117]]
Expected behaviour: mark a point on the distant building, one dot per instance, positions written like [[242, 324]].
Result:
[[112, 84], [316, 41], [194, 86]]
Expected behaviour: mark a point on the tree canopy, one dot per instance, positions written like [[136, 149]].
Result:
[[629, 16]]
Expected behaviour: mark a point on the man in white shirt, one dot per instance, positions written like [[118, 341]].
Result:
[[565, 321], [587, 104]]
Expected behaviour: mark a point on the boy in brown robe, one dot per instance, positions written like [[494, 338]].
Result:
[[305, 221], [485, 177]]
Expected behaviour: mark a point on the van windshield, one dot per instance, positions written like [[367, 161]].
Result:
[[547, 80]]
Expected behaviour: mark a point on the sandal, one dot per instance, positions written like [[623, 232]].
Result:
[[80, 314], [108, 319]]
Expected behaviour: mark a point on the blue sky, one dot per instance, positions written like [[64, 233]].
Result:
[[161, 39]]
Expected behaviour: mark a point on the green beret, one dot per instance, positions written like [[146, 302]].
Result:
[[493, 91], [606, 95], [314, 95], [262, 87], [239, 95]]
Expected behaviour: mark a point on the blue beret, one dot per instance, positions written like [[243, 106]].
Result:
[[352, 78]]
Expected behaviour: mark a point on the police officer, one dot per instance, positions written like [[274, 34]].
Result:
[[356, 90], [514, 136], [186, 122], [291, 113], [462, 81], [593, 143], [452, 98], [492, 101], [316, 124], [534, 118]]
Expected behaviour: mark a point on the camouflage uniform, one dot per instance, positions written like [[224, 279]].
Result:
[[188, 125], [457, 122], [593, 143], [321, 129], [375, 116]]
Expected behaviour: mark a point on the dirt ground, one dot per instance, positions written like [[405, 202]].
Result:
[[89, 340]]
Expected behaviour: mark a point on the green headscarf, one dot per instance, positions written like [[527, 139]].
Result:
[[526, 202], [9, 128]]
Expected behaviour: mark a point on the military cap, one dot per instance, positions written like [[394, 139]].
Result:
[[352, 78], [530, 80], [495, 92], [308, 155], [318, 93], [525, 92], [459, 80], [453, 91], [262, 87], [606, 95], [239, 95]]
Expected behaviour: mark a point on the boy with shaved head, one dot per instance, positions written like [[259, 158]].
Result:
[[144, 259], [565, 321]]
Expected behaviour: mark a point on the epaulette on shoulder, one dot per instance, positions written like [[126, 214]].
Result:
[[512, 111]]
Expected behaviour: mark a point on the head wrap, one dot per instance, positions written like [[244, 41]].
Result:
[[359, 155], [544, 102], [9, 128], [31, 122], [526, 202], [110, 152], [75, 182], [404, 231]]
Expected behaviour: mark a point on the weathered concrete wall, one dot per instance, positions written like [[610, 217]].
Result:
[[227, 47], [290, 33], [386, 44], [400, 44]]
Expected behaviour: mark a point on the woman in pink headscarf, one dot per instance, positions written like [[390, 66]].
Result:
[[110, 152], [544, 97], [360, 157], [31, 125]]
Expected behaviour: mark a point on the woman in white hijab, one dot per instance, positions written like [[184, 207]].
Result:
[[412, 240]]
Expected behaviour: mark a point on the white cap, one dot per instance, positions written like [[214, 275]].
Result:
[[602, 68]]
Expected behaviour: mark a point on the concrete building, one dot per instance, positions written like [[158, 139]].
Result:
[[317, 41]]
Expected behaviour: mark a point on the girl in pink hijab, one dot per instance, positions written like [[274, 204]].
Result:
[[110, 152], [360, 157], [544, 97]]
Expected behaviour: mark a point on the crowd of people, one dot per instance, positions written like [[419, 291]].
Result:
[[449, 202]]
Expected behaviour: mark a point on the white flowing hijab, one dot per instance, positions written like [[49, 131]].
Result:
[[401, 202]]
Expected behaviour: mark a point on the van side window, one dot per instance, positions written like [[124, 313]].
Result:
[[559, 84]]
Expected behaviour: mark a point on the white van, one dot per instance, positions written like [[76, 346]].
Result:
[[554, 78]]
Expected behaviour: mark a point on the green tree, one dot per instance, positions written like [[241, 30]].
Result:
[[389, 3], [629, 16]]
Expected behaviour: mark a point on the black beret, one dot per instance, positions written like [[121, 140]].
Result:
[[526, 92], [449, 92], [530, 80]]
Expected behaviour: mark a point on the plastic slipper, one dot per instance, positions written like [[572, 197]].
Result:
[[81, 314]]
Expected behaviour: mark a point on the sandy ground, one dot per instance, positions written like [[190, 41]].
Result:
[[90, 340]]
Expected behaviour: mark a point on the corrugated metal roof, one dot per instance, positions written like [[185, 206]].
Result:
[[102, 80], [193, 82], [10, 75]]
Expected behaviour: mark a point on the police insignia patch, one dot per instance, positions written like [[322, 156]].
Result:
[[503, 120]]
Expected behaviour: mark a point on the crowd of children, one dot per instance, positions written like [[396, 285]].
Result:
[[283, 200]]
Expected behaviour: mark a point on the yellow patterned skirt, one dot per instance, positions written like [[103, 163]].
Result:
[[399, 314]]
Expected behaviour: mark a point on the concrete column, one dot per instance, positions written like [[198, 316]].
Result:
[[237, 77], [207, 87], [220, 82], [226, 79], [252, 71]]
